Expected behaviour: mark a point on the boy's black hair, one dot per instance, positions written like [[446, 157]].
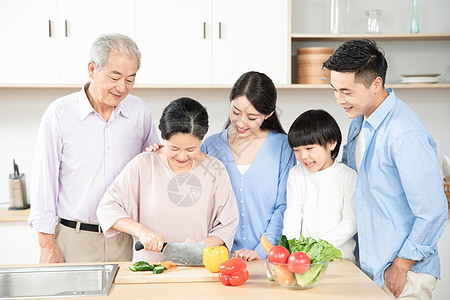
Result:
[[315, 127], [362, 57]]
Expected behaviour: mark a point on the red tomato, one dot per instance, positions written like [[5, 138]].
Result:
[[239, 277], [224, 278], [278, 254], [298, 262], [232, 265]]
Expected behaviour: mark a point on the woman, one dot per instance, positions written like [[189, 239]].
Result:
[[255, 151], [170, 195]]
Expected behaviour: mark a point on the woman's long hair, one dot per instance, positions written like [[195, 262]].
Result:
[[259, 89]]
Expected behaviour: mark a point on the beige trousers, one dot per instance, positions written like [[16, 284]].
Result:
[[419, 286], [87, 246]]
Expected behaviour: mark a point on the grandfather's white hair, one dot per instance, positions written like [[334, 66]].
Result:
[[117, 43]]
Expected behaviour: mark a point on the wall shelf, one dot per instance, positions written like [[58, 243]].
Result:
[[226, 87], [394, 86], [373, 36]]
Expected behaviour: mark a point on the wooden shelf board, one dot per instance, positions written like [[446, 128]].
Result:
[[137, 86], [374, 36], [228, 87], [396, 86]]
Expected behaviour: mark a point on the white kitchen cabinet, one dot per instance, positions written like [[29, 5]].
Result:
[[253, 36], [81, 22], [48, 41], [28, 45], [175, 41], [211, 41]]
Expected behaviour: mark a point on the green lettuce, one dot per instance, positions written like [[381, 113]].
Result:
[[317, 251]]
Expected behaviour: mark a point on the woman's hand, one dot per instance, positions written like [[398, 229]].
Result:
[[153, 148], [246, 254], [190, 241], [151, 240]]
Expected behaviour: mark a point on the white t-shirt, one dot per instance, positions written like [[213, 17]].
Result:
[[360, 147], [322, 205], [242, 168]]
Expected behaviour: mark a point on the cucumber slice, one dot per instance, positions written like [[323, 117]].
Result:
[[158, 269]]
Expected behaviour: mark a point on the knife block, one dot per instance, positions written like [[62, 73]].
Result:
[[17, 192]]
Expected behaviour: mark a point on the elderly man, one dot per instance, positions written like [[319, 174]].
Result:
[[84, 141]]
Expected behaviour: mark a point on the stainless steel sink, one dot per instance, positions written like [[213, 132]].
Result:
[[56, 281]]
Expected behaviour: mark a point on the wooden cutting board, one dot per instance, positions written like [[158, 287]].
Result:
[[179, 274]]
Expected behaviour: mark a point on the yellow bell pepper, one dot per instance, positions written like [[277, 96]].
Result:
[[213, 257]]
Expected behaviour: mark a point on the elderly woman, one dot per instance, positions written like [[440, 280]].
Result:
[[177, 194]]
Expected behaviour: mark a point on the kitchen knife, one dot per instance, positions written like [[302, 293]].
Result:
[[188, 254]]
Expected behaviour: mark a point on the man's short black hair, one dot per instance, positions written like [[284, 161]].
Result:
[[362, 57]]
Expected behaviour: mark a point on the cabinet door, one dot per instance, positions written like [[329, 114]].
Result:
[[253, 37], [175, 40], [28, 45], [80, 23]]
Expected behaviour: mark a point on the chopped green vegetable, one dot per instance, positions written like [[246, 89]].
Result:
[[158, 269], [141, 266]]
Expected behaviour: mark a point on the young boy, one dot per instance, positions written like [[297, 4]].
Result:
[[401, 208], [320, 190]]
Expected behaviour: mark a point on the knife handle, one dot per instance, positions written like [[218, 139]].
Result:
[[138, 246]]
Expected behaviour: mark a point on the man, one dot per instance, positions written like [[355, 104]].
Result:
[[400, 203], [84, 141]]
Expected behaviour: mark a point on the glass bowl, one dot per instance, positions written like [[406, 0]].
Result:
[[285, 275]]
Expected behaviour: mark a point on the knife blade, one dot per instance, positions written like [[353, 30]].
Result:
[[188, 254]]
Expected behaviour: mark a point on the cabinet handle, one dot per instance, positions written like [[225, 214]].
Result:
[[204, 30], [220, 30], [49, 28], [65, 27]]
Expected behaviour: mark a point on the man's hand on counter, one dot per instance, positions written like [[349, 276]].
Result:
[[49, 251]]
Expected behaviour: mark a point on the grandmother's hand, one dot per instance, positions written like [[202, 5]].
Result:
[[151, 240], [153, 148]]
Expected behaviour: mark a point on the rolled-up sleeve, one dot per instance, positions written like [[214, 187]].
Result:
[[420, 176], [45, 174], [120, 199]]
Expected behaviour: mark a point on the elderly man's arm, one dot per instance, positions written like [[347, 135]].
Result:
[[49, 251]]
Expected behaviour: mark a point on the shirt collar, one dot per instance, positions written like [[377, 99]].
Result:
[[84, 105], [86, 108], [382, 110], [122, 109]]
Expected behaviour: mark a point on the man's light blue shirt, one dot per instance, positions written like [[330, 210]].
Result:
[[401, 207], [260, 191]]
